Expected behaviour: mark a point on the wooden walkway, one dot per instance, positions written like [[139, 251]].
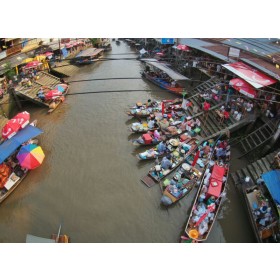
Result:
[[258, 137], [45, 79], [65, 69], [210, 122], [254, 170]]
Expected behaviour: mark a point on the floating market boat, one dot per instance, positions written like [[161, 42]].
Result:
[[209, 198], [55, 238], [11, 173], [88, 56], [163, 76], [263, 202], [171, 161], [185, 178]]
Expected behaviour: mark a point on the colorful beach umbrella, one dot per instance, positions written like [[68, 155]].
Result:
[[30, 156], [22, 118], [10, 129], [52, 94]]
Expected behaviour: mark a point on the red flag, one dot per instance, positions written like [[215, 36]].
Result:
[[162, 108], [195, 158], [211, 208]]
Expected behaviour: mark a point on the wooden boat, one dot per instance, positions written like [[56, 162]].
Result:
[[262, 208], [143, 113], [14, 171], [162, 124], [106, 46], [185, 178], [153, 153], [55, 238], [157, 173], [169, 105], [148, 139], [57, 101], [208, 200], [88, 56], [161, 75]]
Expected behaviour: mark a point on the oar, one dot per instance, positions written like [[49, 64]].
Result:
[[57, 237]]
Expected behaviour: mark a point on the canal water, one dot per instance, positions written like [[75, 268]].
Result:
[[90, 178]]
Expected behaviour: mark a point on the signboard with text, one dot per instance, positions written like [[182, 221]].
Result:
[[166, 41], [233, 52], [3, 54]]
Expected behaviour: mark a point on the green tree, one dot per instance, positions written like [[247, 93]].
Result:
[[9, 71], [94, 42]]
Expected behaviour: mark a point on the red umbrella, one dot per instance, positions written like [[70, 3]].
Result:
[[33, 64], [22, 118], [52, 94], [183, 48], [243, 87], [10, 129]]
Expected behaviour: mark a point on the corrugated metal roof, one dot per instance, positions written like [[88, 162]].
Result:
[[174, 75], [261, 47], [90, 52], [251, 59]]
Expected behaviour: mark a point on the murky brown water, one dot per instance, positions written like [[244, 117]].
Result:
[[90, 178]]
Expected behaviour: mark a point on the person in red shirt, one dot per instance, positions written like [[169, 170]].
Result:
[[206, 106]]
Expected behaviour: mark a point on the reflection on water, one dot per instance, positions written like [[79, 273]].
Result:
[[90, 178]]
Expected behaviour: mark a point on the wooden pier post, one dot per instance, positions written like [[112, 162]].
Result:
[[12, 93]]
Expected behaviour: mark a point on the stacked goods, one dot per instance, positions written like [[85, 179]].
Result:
[[4, 174]]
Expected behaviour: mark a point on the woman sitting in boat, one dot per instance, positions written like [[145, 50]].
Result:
[[166, 162], [161, 148]]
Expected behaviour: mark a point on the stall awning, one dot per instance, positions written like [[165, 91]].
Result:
[[243, 87], [9, 146], [254, 77], [171, 73], [272, 182]]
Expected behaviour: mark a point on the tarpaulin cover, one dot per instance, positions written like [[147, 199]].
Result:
[[9, 146], [215, 187], [272, 181], [254, 77], [218, 172]]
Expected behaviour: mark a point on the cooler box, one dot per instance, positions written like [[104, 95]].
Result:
[[147, 138]]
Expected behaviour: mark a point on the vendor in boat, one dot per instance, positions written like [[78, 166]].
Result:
[[149, 103], [161, 148], [41, 94], [166, 162]]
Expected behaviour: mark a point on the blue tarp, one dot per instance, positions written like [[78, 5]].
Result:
[[9, 146], [272, 181]]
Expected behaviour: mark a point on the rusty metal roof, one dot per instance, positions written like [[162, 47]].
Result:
[[258, 62]]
